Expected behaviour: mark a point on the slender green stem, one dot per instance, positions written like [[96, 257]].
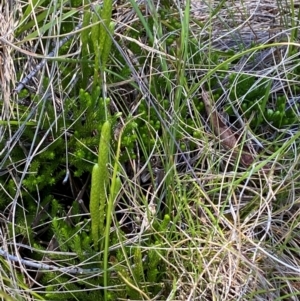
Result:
[[114, 189], [142, 19], [182, 56]]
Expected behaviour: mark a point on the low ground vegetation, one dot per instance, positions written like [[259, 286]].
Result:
[[149, 150]]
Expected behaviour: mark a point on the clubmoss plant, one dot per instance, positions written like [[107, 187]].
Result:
[[254, 96], [204, 204], [99, 185]]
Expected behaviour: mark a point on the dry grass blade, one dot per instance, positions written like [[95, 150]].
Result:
[[7, 72]]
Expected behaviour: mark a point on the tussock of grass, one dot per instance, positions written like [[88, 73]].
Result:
[[218, 229]]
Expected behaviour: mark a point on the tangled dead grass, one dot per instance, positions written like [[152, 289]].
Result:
[[7, 71], [238, 23], [238, 239], [251, 258]]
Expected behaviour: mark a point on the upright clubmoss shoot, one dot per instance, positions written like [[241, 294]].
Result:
[[98, 198]]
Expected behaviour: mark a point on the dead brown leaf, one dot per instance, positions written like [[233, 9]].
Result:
[[228, 138]]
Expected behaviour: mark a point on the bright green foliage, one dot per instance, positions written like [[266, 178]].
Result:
[[246, 85], [108, 43], [76, 3], [138, 271], [105, 25], [78, 133], [153, 263], [118, 185], [99, 185], [60, 233], [94, 205], [252, 93], [62, 288], [99, 41], [95, 40], [73, 143], [103, 160], [70, 237], [85, 69], [84, 117]]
